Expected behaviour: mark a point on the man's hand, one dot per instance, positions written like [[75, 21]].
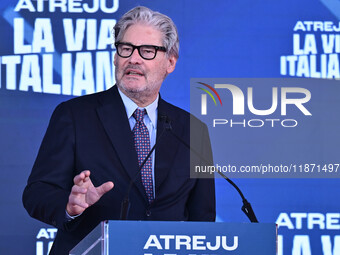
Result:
[[84, 194]]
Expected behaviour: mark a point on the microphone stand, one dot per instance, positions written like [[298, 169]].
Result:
[[125, 206], [246, 208]]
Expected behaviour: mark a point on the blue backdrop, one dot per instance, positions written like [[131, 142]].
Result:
[[51, 52]]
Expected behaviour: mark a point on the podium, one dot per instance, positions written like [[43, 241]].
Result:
[[179, 238]]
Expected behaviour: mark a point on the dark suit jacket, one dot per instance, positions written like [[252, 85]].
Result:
[[93, 133]]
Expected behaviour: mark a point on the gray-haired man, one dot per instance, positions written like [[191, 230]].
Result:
[[94, 145]]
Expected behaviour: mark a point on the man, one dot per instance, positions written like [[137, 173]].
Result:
[[94, 145]]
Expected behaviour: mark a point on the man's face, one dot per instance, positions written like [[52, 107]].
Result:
[[137, 77]]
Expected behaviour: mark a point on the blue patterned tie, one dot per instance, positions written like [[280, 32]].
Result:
[[142, 145]]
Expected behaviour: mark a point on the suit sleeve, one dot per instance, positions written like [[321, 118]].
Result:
[[48, 187]]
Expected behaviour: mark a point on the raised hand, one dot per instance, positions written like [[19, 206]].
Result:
[[84, 194]]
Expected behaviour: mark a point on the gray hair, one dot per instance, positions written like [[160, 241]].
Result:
[[158, 20]]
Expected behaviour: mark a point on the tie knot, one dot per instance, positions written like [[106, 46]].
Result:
[[139, 115]]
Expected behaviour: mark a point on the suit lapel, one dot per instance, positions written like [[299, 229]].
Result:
[[112, 114], [167, 144]]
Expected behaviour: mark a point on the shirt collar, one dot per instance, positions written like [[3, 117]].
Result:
[[131, 106]]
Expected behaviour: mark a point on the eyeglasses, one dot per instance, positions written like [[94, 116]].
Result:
[[147, 52]]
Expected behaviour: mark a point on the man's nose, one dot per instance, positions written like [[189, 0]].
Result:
[[135, 57]]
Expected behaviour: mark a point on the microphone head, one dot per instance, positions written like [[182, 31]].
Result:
[[166, 120]]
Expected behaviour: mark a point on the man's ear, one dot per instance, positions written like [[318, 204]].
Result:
[[171, 64], [115, 59]]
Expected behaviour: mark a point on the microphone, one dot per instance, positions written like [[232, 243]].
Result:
[[246, 208], [125, 206]]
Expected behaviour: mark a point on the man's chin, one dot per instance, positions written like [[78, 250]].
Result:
[[133, 88]]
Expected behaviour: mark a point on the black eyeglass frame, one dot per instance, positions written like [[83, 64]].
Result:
[[157, 48]]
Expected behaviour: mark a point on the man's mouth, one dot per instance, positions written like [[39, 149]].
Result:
[[134, 73]]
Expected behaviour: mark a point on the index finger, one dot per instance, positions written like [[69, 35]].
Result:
[[79, 179]]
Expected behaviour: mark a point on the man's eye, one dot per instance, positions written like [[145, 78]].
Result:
[[148, 50], [126, 49]]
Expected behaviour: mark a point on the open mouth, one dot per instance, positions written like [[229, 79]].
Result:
[[134, 72]]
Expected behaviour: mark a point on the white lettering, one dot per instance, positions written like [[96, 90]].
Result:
[[43, 234], [42, 36], [301, 245], [167, 239], [48, 85], [11, 63], [30, 74], [19, 45], [104, 71], [152, 242], [183, 240], [66, 70], [74, 39], [332, 221], [316, 219], [74, 6], [53, 4], [298, 102], [229, 248], [262, 112], [83, 74], [238, 97], [327, 245], [298, 219], [284, 221], [24, 4], [105, 36], [197, 242], [217, 245]]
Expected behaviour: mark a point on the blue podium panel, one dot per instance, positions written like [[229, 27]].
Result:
[[191, 238]]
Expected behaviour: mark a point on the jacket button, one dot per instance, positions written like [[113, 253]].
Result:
[[148, 213]]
